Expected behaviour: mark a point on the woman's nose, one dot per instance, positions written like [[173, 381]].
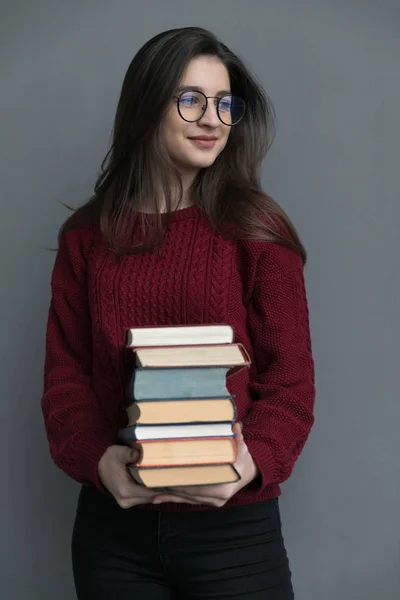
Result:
[[210, 116]]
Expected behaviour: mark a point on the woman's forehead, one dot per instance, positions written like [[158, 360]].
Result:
[[208, 74]]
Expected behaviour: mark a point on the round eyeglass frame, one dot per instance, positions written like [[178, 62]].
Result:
[[206, 98]]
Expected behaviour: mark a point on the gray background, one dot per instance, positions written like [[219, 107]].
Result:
[[332, 70]]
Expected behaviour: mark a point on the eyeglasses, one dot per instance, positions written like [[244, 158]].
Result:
[[192, 106]]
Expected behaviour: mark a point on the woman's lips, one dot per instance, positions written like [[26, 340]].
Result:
[[204, 142]]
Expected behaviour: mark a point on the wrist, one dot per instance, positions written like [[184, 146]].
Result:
[[251, 471], [254, 470]]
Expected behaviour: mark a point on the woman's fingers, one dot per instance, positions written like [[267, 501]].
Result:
[[175, 499], [180, 500], [209, 491], [213, 495], [237, 428]]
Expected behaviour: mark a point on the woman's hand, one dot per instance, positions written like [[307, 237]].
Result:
[[116, 478], [216, 495]]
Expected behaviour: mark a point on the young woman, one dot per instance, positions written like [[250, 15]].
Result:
[[177, 232]]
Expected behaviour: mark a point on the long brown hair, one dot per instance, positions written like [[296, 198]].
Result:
[[137, 171]]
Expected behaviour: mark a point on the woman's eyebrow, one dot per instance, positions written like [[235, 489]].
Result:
[[194, 88]]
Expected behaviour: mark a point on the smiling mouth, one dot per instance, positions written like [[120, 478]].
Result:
[[204, 142]]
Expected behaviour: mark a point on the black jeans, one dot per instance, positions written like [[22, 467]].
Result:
[[135, 554]]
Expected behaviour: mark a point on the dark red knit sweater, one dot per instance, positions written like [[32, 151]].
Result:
[[199, 277]]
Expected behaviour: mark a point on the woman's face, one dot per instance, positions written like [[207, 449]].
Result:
[[195, 146]]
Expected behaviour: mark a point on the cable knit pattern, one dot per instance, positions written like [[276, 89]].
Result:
[[197, 277], [220, 280]]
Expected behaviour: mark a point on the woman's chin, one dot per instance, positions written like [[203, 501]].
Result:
[[194, 164], [201, 162]]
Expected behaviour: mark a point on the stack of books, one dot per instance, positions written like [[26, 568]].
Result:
[[180, 412]]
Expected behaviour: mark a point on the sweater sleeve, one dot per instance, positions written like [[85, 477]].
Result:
[[77, 430], [282, 385]]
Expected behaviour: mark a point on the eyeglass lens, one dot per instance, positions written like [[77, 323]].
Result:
[[192, 106]]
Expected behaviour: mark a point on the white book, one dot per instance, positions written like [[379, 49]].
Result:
[[166, 432], [181, 335]]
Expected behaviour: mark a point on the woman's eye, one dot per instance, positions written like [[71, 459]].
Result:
[[188, 100], [225, 105]]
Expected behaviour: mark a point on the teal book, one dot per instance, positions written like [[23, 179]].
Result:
[[185, 382]]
